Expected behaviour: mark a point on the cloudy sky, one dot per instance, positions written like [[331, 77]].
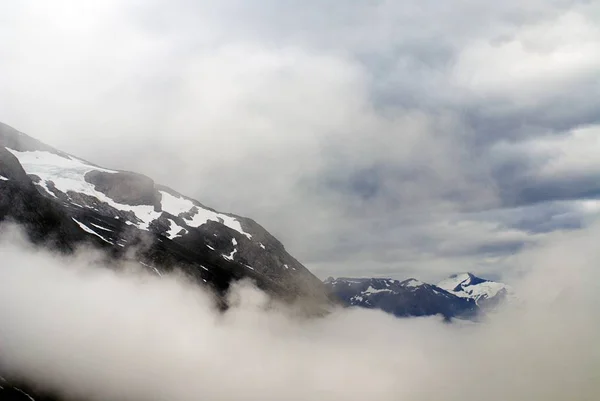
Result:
[[390, 138]]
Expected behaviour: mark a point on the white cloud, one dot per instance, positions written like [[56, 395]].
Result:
[[534, 63], [259, 109], [95, 333], [570, 154]]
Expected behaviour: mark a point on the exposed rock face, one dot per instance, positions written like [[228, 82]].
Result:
[[11, 169], [125, 187]]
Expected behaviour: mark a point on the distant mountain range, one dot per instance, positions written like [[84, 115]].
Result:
[[463, 296]]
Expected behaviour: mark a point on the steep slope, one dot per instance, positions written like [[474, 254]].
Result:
[[21, 202], [401, 298], [63, 200]]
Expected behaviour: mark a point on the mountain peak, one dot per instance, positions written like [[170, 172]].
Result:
[[412, 283], [483, 291]]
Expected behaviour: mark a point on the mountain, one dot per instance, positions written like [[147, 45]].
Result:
[[486, 293], [401, 298], [63, 201], [463, 296]]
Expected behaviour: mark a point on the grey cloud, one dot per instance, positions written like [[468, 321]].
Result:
[[548, 168], [348, 130], [540, 218], [524, 190]]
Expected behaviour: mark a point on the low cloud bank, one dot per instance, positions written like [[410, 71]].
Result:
[[102, 334]]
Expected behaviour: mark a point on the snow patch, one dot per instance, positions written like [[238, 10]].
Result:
[[89, 230], [178, 205], [175, 205], [174, 230], [68, 174], [412, 283], [372, 290], [230, 256], [44, 185], [453, 281], [153, 268], [102, 228], [24, 393], [3, 178]]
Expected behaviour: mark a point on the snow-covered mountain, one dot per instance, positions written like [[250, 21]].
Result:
[[65, 200], [486, 293], [459, 296]]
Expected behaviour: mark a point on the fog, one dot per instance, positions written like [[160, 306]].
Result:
[[378, 129], [84, 331]]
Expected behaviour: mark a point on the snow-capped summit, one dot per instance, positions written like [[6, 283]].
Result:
[[412, 283], [485, 293]]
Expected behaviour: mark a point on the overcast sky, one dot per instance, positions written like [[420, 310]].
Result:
[[390, 138]]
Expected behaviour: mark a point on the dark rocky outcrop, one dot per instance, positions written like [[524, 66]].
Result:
[[125, 187]]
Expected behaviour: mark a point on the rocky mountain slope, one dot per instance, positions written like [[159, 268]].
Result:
[[462, 296], [63, 202]]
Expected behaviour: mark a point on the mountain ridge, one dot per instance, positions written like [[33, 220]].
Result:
[[463, 296]]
